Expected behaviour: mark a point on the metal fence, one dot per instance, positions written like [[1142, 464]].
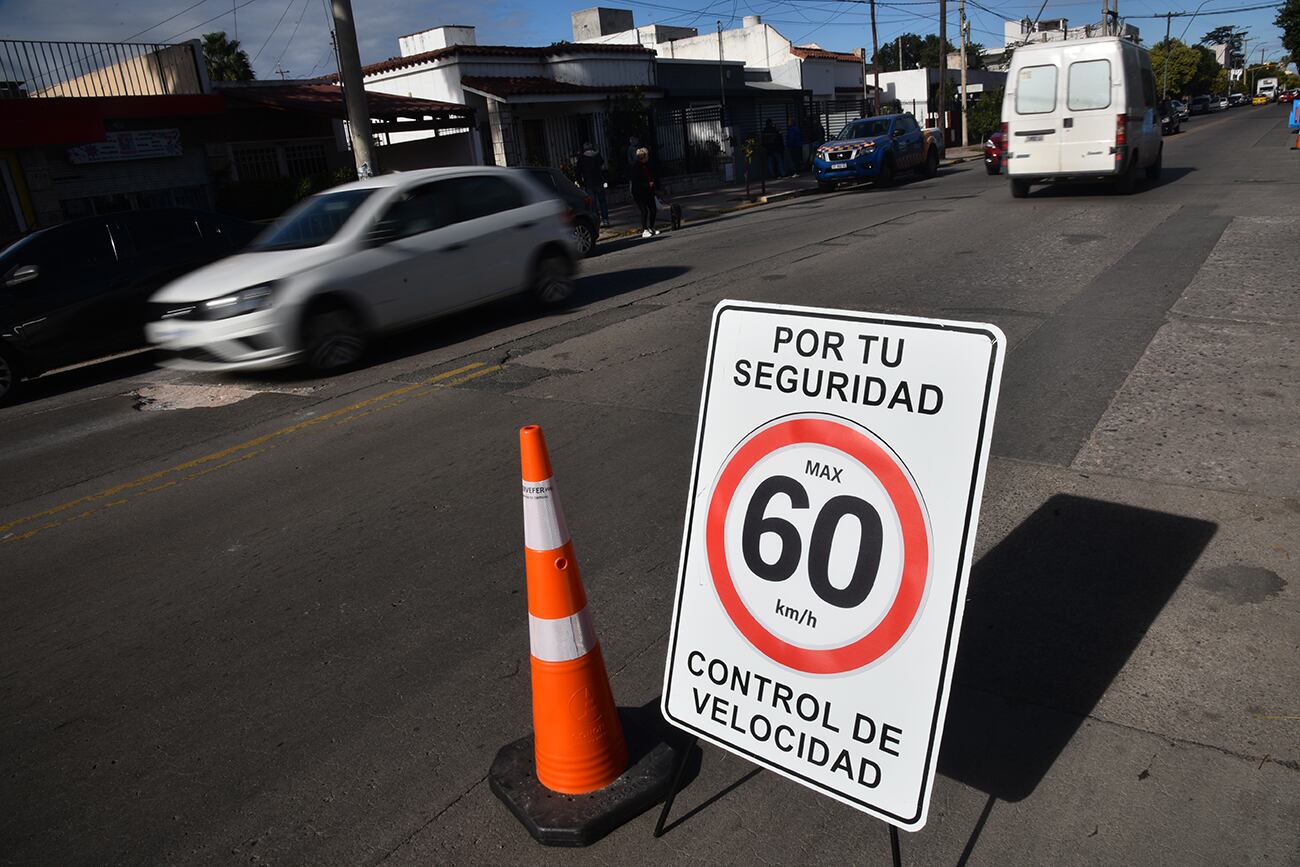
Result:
[[34, 69]]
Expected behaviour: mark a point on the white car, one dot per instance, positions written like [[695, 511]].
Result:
[[365, 258]]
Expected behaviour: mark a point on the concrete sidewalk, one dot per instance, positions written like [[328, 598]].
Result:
[[625, 220]]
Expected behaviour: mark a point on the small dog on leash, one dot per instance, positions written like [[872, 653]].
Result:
[[675, 215]]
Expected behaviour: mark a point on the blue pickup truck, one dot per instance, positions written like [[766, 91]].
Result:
[[876, 149]]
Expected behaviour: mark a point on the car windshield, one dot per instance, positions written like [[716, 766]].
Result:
[[312, 223], [864, 129]]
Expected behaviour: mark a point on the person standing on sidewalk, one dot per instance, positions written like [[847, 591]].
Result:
[[591, 172], [794, 147], [775, 149], [643, 193]]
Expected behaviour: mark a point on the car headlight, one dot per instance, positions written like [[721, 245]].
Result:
[[248, 300]]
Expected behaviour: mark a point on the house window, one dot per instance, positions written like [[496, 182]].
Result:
[[304, 160], [256, 163]]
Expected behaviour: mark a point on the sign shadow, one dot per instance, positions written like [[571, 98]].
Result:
[[1053, 613]]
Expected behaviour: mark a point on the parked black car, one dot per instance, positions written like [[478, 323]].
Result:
[[79, 290], [583, 214]]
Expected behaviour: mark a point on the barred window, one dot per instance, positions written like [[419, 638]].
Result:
[[255, 163], [305, 159]]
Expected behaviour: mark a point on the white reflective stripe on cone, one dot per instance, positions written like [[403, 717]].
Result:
[[544, 527], [562, 638]]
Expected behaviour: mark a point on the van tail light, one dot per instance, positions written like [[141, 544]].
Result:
[[1121, 137], [1006, 146]]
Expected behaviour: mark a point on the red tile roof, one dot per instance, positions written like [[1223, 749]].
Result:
[[528, 85], [823, 54], [501, 51], [327, 99]]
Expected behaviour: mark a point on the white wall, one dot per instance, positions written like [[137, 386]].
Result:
[[435, 39], [602, 71]]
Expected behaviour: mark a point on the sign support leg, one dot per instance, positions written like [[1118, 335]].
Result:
[[893, 846], [687, 748]]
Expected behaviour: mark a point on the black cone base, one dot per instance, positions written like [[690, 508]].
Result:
[[580, 820]]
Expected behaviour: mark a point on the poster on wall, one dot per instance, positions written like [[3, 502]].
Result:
[[138, 144]]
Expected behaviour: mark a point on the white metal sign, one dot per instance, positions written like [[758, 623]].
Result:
[[835, 493]]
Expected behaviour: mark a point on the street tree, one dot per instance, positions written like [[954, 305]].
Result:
[[1288, 19], [906, 47], [1183, 63], [225, 60]]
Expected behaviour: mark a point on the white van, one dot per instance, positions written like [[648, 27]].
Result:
[[1080, 109]]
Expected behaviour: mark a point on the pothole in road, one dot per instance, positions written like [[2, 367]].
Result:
[[169, 396]]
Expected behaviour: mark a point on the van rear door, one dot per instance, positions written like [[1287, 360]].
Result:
[[1093, 101], [1033, 131]]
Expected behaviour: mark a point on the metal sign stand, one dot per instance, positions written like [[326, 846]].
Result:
[[687, 748]]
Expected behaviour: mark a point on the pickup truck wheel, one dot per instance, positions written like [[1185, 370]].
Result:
[[931, 166], [9, 377], [1019, 188], [885, 177]]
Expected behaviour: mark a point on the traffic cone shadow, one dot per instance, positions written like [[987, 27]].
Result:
[[589, 766]]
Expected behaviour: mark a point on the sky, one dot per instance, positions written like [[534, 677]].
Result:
[[292, 34]]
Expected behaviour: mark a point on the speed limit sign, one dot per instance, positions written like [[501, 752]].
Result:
[[838, 470]]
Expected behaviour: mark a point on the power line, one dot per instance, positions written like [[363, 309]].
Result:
[[210, 20], [1204, 13], [165, 20], [306, 4], [272, 33]]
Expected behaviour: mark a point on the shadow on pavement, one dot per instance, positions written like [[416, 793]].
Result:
[[85, 376], [1052, 615], [1169, 175]]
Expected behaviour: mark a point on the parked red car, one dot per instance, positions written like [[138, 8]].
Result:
[[994, 146], [1287, 96]]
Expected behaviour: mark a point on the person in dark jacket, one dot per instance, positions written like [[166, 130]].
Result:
[[591, 172], [643, 192], [794, 147], [775, 148]]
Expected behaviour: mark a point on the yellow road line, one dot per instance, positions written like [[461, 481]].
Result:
[[456, 376]]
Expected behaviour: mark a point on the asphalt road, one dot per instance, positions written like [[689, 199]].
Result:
[[281, 621]]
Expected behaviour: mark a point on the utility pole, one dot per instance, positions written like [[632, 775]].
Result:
[[1169, 16], [722, 78], [354, 91], [964, 29], [875, 58], [900, 53], [943, 71]]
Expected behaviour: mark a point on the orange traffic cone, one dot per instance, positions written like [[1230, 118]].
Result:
[[579, 742], [571, 782]]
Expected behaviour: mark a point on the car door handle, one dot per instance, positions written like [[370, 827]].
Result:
[[452, 248]]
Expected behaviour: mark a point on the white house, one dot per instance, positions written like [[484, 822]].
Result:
[[767, 55], [535, 106]]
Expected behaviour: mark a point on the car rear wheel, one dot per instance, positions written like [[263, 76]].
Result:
[[931, 167], [992, 168], [553, 280], [1153, 170], [9, 377], [1019, 188], [585, 234], [1124, 183], [334, 340]]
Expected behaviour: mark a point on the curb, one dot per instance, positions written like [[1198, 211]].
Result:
[[770, 199]]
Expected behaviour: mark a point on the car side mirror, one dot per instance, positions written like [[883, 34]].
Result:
[[381, 234], [898, 133], [23, 274]]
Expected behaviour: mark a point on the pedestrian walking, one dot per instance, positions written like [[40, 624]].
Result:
[[591, 173], [643, 193], [775, 148], [794, 147]]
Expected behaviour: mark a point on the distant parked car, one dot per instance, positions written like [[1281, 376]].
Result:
[[1221, 103], [1200, 105], [367, 258], [994, 147], [78, 291], [1184, 111], [1238, 99], [582, 213], [1288, 95], [1169, 120]]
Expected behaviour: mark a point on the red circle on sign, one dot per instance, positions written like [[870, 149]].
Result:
[[916, 549]]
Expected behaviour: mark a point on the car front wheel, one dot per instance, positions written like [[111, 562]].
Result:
[[992, 168], [333, 340], [886, 176]]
